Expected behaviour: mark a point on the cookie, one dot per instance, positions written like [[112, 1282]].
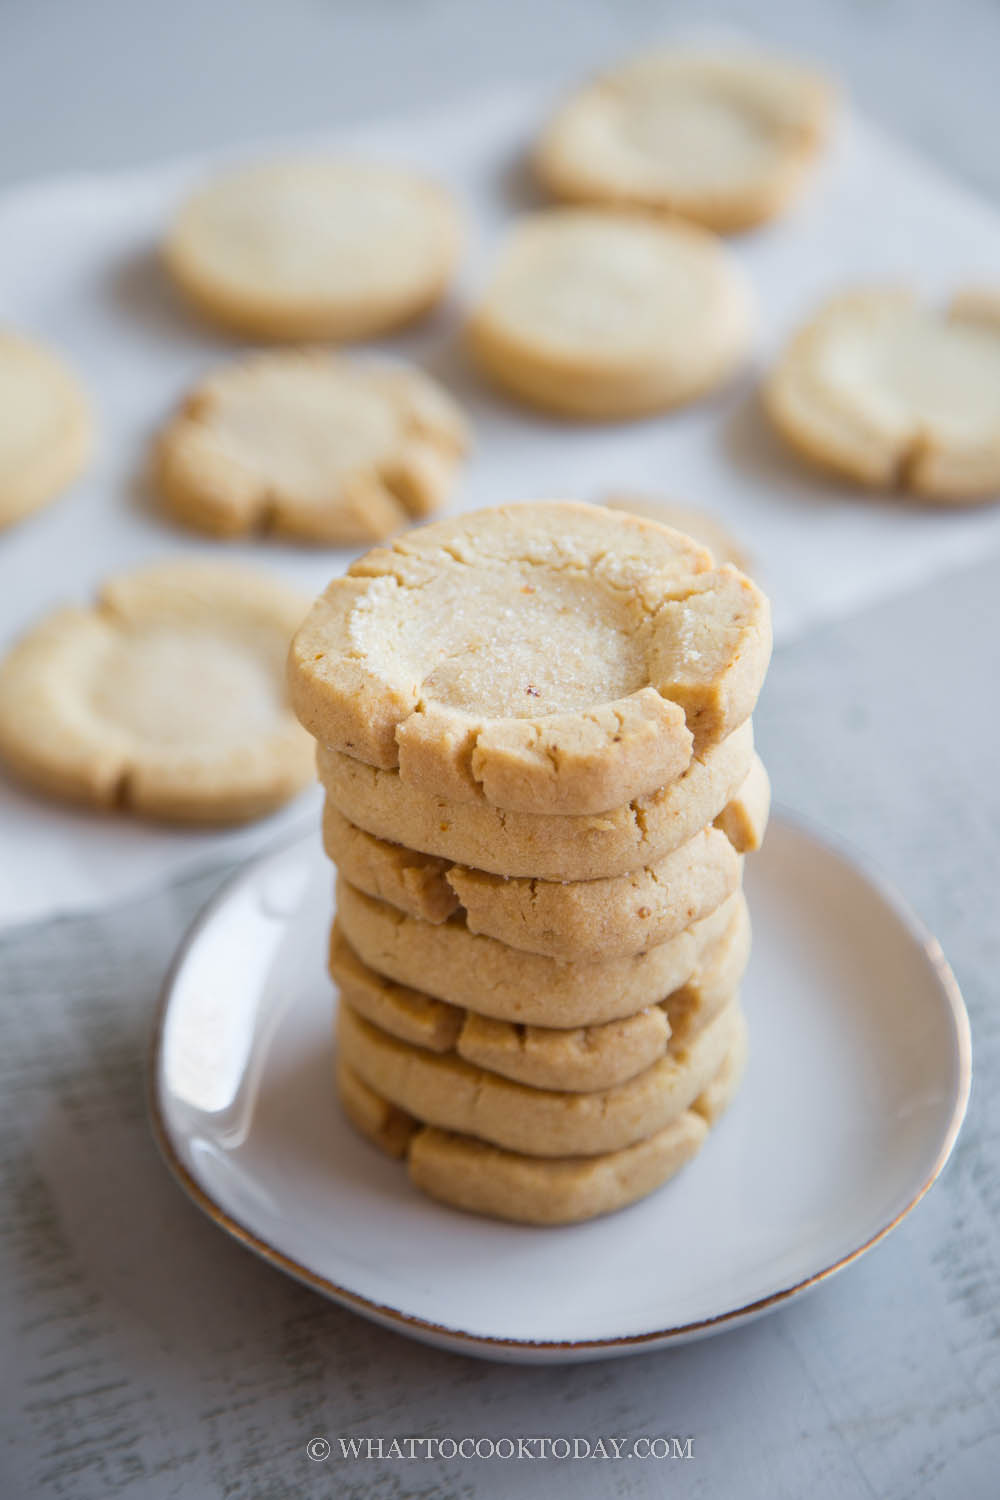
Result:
[[477, 973], [632, 837], [716, 979], [581, 920], [166, 698], [482, 1179], [725, 139], [744, 818], [45, 427], [414, 883], [471, 1175], [895, 394], [704, 528], [574, 1060], [387, 1127], [310, 446], [587, 1059], [577, 1059], [717, 1095], [548, 658], [446, 1091], [602, 317], [409, 1014], [314, 248]]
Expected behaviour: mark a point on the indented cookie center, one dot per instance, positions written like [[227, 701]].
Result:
[[304, 230], [525, 641], [598, 283], [177, 686], [303, 432], [29, 407], [696, 137], [923, 369]]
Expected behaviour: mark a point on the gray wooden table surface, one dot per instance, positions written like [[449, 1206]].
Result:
[[143, 1353]]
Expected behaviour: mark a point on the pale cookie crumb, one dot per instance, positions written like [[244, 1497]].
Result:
[[166, 698], [46, 431], [723, 138], [310, 446], [892, 393], [601, 316], [314, 248]]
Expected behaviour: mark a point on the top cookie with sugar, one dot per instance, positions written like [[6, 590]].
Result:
[[550, 657]]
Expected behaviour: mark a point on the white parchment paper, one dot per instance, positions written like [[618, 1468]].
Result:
[[78, 266]]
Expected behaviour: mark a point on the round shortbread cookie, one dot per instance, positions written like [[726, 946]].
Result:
[[891, 393], [601, 316], [581, 920], [310, 446], [548, 658], [636, 836], [444, 1090], [576, 1059], [478, 973], [45, 427], [723, 139], [166, 698], [314, 248], [704, 528], [468, 1174]]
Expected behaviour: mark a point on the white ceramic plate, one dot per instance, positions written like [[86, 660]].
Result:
[[857, 1084]]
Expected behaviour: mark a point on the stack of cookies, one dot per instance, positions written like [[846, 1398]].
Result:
[[535, 741]]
